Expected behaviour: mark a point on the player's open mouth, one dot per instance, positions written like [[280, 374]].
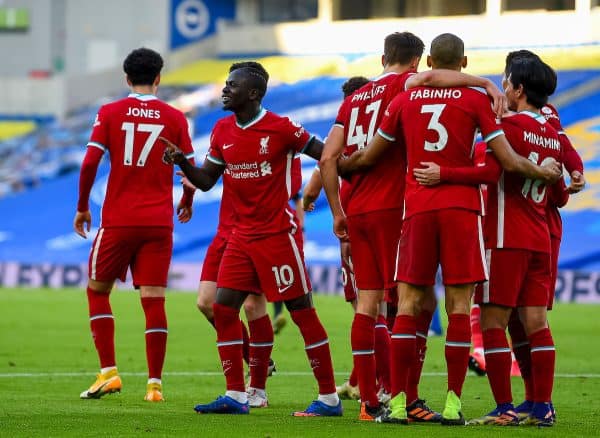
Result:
[[225, 99]]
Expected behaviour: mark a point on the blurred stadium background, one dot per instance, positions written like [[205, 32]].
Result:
[[62, 59]]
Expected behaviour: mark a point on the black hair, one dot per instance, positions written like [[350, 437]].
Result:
[[255, 73], [353, 84], [523, 53], [537, 78], [447, 51], [142, 66], [401, 48]]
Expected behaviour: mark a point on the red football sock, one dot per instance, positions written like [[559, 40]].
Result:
[[229, 343], [383, 345], [414, 374], [458, 345], [156, 334], [102, 324], [520, 347], [353, 379], [261, 345], [246, 345], [362, 339], [498, 360], [317, 348], [543, 356], [476, 335], [403, 351]]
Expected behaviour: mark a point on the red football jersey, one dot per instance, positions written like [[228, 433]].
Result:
[[258, 157], [140, 185], [517, 205], [439, 125], [382, 186], [227, 210]]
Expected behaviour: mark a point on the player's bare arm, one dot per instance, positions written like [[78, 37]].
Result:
[[334, 146], [451, 78], [366, 157], [513, 162], [311, 191], [204, 177]]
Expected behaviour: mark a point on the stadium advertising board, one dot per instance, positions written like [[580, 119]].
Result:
[[571, 286]]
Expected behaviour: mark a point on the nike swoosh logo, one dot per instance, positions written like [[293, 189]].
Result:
[[284, 289], [227, 146]]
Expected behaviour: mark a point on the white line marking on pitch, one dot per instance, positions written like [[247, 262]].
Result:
[[218, 373]]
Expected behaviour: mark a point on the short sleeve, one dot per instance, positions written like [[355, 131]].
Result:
[[295, 135], [99, 136], [342, 115], [389, 128], [490, 126], [215, 154], [184, 142]]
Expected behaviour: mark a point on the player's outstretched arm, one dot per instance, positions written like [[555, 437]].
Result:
[[513, 162], [443, 78], [431, 174], [204, 177]]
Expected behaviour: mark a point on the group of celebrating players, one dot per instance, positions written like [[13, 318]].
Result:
[[410, 201]]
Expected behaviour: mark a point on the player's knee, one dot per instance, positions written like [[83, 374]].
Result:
[[205, 307]]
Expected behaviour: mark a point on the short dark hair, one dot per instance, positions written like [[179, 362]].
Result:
[[523, 53], [257, 75], [401, 48], [537, 78], [353, 84], [142, 66], [447, 51]]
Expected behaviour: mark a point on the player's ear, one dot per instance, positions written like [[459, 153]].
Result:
[[463, 63], [383, 60], [429, 62], [128, 81], [156, 80], [253, 94]]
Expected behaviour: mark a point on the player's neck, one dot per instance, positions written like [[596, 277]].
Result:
[[144, 89], [246, 115], [397, 68], [524, 106]]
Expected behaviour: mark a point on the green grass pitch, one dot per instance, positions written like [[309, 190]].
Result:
[[47, 358]]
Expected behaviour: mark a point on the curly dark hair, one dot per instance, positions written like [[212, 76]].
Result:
[[257, 75], [402, 47], [142, 66], [353, 84]]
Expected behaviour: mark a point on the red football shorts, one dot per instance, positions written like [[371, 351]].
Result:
[[374, 237], [450, 237], [146, 250], [273, 265], [212, 259], [554, 251], [348, 281], [518, 278]]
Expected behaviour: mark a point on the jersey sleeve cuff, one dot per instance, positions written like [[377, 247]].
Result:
[[97, 145], [388, 137], [493, 135], [215, 160]]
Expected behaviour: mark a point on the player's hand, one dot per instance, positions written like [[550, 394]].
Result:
[[577, 182], [172, 154], [184, 213], [184, 181], [346, 252], [428, 175], [552, 171], [340, 228], [499, 101], [82, 223]]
